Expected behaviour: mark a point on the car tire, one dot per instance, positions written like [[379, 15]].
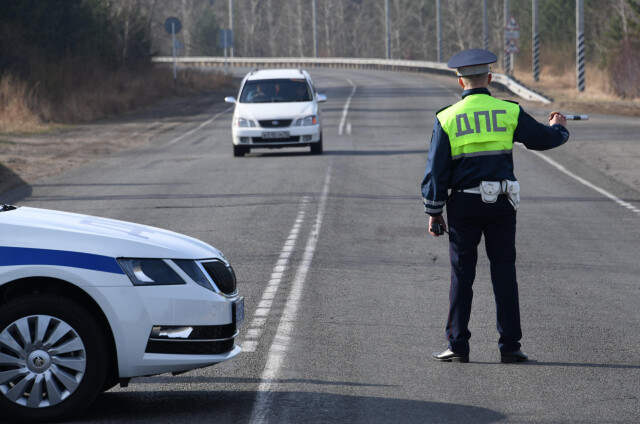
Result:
[[316, 148], [239, 151], [110, 382], [60, 369]]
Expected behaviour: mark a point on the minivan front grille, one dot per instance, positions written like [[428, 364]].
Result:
[[222, 275], [275, 123]]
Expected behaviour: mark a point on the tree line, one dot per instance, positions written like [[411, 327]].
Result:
[[127, 33]]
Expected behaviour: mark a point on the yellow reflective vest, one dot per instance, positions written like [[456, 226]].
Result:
[[480, 125]]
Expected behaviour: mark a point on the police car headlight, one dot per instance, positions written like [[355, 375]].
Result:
[[306, 121], [150, 272], [194, 271], [244, 123]]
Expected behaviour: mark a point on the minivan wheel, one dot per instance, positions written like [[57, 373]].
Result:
[[53, 359], [239, 151], [316, 148]]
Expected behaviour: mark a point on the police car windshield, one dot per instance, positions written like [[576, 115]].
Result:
[[276, 91]]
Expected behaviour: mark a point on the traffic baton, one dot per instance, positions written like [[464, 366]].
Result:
[[576, 117]]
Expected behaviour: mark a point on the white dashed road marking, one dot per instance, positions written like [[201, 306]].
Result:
[[280, 343], [254, 330], [205, 123]]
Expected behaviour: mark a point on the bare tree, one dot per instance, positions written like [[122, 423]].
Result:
[[427, 25], [273, 28], [462, 25], [405, 24], [251, 22], [495, 16]]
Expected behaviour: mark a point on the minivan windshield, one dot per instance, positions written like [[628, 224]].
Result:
[[276, 91]]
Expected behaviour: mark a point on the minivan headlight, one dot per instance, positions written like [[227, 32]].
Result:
[[244, 123], [306, 121]]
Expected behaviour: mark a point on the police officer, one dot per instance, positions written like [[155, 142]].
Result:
[[471, 156]]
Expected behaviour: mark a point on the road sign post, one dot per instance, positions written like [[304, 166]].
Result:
[[511, 34], [225, 41], [580, 46], [172, 25], [535, 41]]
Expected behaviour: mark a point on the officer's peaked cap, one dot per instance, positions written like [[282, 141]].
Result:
[[472, 62]]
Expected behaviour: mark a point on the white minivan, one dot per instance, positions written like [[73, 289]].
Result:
[[276, 108]]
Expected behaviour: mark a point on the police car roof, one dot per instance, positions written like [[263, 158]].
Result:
[[276, 74]]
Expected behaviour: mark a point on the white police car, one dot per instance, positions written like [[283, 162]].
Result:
[[87, 302], [276, 108]]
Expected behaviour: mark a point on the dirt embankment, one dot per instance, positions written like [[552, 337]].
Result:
[[25, 158]]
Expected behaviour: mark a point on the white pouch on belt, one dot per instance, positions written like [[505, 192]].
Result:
[[489, 190], [513, 191]]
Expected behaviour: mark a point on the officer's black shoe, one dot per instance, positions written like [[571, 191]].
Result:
[[449, 356], [517, 356]]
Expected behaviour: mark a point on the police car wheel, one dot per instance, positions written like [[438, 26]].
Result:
[[52, 358]]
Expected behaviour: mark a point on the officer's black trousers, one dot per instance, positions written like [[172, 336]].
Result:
[[468, 219]]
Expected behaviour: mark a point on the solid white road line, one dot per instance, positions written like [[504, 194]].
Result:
[[280, 343], [346, 108], [207, 122], [249, 341], [586, 183]]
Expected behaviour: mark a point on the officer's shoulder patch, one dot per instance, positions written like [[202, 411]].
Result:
[[446, 107]]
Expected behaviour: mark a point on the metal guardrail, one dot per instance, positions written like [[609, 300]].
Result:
[[325, 62]]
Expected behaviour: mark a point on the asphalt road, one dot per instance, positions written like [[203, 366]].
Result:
[[347, 294]]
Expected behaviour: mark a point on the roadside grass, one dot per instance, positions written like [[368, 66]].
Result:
[[15, 111], [90, 93], [560, 84], [563, 84]]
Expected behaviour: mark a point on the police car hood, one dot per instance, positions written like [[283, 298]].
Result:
[[48, 229], [262, 111]]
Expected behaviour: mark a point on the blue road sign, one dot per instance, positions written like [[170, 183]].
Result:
[[176, 25], [225, 38]]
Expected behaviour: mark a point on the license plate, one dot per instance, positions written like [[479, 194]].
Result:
[[275, 134], [238, 312]]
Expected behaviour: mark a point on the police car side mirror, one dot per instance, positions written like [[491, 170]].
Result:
[[230, 99], [321, 98]]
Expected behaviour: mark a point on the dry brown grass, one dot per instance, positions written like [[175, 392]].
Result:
[[561, 86], [68, 97], [564, 84], [15, 113]]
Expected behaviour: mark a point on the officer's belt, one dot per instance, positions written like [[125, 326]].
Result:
[[502, 189], [489, 191], [475, 190]]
